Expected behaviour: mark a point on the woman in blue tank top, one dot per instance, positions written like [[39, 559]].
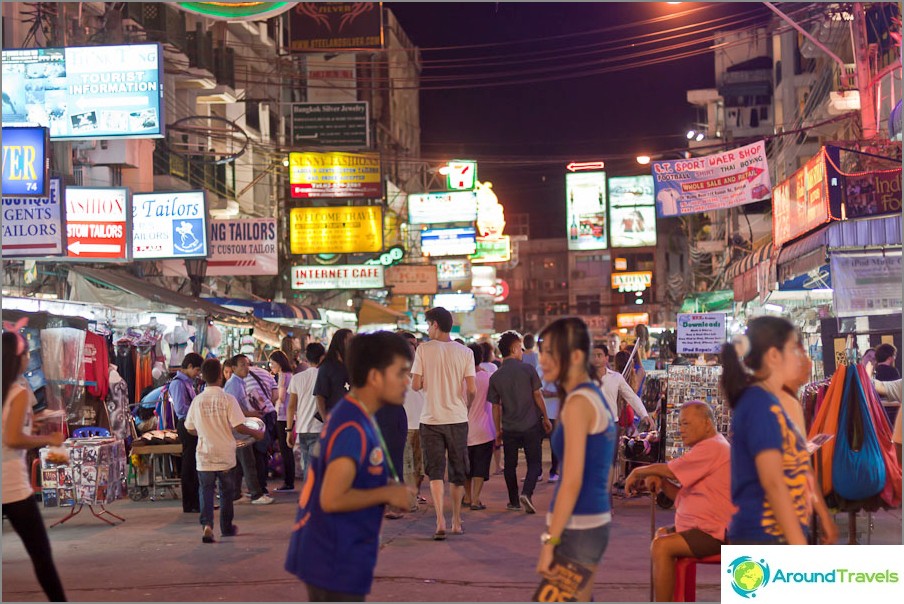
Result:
[[584, 441]]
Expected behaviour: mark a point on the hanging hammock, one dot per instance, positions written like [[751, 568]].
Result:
[[826, 422], [858, 470], [891, 494]]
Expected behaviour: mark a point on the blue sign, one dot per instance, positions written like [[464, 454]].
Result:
[[169, 225], [33, 226], [25, 162], [820, 278], [449, 242]]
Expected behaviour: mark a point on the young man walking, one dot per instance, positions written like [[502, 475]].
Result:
[[247, 467], [303, 427], [182, 392]]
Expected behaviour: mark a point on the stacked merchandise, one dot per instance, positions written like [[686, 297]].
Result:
[[688, 383], [94, 474]]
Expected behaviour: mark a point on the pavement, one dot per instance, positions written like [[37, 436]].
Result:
[[157, 554]]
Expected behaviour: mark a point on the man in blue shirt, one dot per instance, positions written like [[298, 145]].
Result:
[[235, 386], [181, 392], [334, 544]]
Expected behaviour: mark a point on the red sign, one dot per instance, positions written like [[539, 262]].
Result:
[[585, 165], [801, 203], [97, 223]]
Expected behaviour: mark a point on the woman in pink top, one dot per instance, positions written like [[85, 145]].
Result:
[[481, 435]]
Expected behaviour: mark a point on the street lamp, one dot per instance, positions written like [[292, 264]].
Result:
[[643, 160]]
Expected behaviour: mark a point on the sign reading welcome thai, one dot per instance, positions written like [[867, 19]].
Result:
[[337, 230]]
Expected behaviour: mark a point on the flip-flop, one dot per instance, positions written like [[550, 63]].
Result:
[[460, 531], [478, 506], [439, 536]]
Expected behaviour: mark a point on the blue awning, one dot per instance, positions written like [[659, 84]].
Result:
[[270, 310]]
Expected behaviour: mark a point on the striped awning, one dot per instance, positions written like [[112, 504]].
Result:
[[760, 253]]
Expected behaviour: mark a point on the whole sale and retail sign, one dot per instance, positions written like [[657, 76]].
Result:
[[25, 163], [97, 223], [33, 226], [169, 225], [338, 277], [244, 246], [412, 279], [703, 333], [441, 208], [330, 125], [585, 194], [806, 201], [866, 284], [337, 230], [335, 175], [714, 182], [85, 92]]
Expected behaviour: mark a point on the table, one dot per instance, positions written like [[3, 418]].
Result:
[[158, 477]]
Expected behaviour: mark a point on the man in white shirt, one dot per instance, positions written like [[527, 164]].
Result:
[[414, 456], [302, 424], [440, 367], [614, 386]]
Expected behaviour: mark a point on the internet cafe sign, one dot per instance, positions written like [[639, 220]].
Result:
[[632, 282], [337, 277]]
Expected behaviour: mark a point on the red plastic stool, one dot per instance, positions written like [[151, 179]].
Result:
[[686, 577]]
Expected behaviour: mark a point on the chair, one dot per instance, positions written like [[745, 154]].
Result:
[[686, 577], [90, 431]]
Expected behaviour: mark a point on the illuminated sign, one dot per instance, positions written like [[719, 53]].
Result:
[[440, 208], [632, 282], [632, 319], [338, 230], [85, 92], [33, 226], [335, 175], [331, 125], [412, 279], [585, 194], [621, 264], [493, 250], [449, 242], [169, 224], [461, 175], [454, 275], [237, 11], [337, 277], [25, 162], [502, 290], [806, 201], [490, 213], [577, 166], [483, 276], [97, 221], [390, 257], [632, 211], [701, 333], [325, 25], [455, 302], [501, 308]]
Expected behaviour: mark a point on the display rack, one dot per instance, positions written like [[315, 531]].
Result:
[[688, 383]]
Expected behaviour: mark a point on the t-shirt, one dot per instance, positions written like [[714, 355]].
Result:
[[332, 383], [887, 373], [302, 386], [614, 386], [181, 390], [513, 387], [235, 386], [259, 385], [414, 406], [213, 414], [96, 364], [481, 428], [490, 368], [16, 481], [760, 424], [338, 552], [282, 407], [443, 367], [530, 358], [704, 501], [552, 402]]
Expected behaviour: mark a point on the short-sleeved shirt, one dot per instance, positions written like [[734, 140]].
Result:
[[513, 387], [338, 552], [531, 358], [481, 428], [414, 407], [213, 414], [302, 386], [444, 367], [704, 501], [760, 424], [235, 386], [260, 384], [332, 383], [181, 391]]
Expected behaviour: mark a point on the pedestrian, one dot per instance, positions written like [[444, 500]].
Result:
[[489, 357], [281, 367], [769, 461], [886, 356], [616, 390], [581, 509], [334, 544], [414, 456], [263, 393], [481, 435], [393, 423], [519, 414], [213, 416], [239, 367], [303, 427], [332, 379], [440, 367], [530, 356], [182, 392], [18, 500], [551, 400]]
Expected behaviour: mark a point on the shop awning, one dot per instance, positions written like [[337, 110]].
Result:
[[865, 233], [270, 310], [373, 313], [708, 301], [760, 253]]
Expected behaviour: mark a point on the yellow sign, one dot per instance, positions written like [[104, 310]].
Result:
[[632, 282], [632, 319], [335, 175], [340, 230]]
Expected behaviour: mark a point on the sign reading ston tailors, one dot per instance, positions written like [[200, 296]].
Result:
[[33, 226], [338, 230], [170, 224], [701, 333], [25, 161], [807, 200], [330, 125], [335, 175], [337, 277], [319, 25], [97, 221], [412, 279], [714, 182]]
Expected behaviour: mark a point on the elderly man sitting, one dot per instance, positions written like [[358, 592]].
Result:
[[700, 484]]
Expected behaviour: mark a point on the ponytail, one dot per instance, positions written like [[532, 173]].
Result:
[[735, 379], [744, 356]]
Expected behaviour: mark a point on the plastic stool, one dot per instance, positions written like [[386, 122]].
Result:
[[686, 577], [90, 431]]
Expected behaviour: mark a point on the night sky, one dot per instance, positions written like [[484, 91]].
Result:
[[611, 117]]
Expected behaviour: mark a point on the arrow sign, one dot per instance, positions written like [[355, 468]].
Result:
[[585, 165], [77, 247]]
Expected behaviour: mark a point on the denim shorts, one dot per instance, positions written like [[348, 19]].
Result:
[[584, 546]]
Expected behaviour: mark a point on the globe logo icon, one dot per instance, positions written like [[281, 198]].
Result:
[[748, 575]]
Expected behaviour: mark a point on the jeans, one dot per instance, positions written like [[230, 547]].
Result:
[[532, 443], [262, 450], [288, 457], [189, 471], [306, 442], [247, 468], [208, 481], [584, 546], [26, 520]]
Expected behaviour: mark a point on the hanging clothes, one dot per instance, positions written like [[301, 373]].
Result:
[[125, 366], [118, 405], [144, 376], [96, 364]]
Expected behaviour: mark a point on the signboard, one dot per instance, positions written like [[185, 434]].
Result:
[[33, 226], [585, 193], [490, 213], [97, 221], [245, 246], [335, 175], [449, 242], [412, 279], [493, 250], [441, 208], [804, 202], [632, 211], [632, 282], [867, 284], [318, 25], [85, 92], [501, 308], [171, 224], [455, 302], [872, 193], [331, 78], [715, 182], [484, 277], [454, 275], [702, 333], [239, 11], [339, 230], [330, 125], [632, 319], [25, 162], [337, 277], [462, 175]]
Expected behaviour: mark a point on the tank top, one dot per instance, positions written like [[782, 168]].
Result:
[[594, 505], [16, 482]]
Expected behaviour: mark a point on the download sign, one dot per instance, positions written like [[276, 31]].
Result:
[[97, 221]]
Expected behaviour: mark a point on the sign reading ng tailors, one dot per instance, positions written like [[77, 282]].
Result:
[[632, 282], [338, 277], [336, 230], [169, 224], [25, 162], [97, 221], [33, 226], [244, 246], [412, 279], [701, 333], [441, 208], [335, 175]]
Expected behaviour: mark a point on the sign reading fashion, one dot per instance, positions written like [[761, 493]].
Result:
[[337, 277], [330, 125], [806, 201], [335, 175], [412, 279], [441, 208], [337, 230], [715, 182], [97, 223], [701, 333], [25, 161], [33, 226], [169, 224]]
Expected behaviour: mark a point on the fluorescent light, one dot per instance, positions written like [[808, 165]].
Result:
[[774, 308]]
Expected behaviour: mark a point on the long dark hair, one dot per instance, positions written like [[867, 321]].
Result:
[[12, 361], [763, 333], [279, 357], [338, 346], [561, 337]]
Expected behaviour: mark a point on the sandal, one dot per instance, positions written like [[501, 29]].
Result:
[[478, 506], [439, 536], [460, 531]]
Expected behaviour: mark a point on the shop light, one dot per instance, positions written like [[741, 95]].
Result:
[[776, 308], [691, 134], [700, 136], [643, 160]]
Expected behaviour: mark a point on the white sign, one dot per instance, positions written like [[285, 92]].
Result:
[[33, 226], [483, 276], [867, 284], [245, 246], [449, 242], [338, 277], [701, 333], [407, 279], [455, 302], [171, 224], [440, 208]]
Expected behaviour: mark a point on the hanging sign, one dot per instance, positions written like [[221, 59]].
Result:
[[701, 333], [455, 302], [169, 224], [585, 194], [873, 193], [449, 242], [493, 250], [97, 221], [33, 226], [461, 175], [412, 279], [330, 125], [866, 284], [322, 25], [244, 246], [632, 211], [25, 162], [632, 319], [337, 277], [442, 208], [337, 230], [335, 175]]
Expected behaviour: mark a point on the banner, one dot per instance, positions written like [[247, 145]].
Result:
[[701, 333], [25, 163], [412, 279], [586, 210], [97, 220], [632, 211], [805, 201], [330, 125], [244, 246], [715, 182], [319, 25], [335, 175], [872, 194], [441, 208], [337, 277], [170, 224], [866, 284], [33, 226], [339, 230]]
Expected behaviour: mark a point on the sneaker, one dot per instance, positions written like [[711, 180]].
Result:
[[512, 507], [553, 478], [207, 535], [262, 500], [528, 505], [231, 532], [285, 489]]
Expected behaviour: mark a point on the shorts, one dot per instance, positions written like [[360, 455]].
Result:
[[584, 546], [436, 442], [414, 457], [701, 543], [479, 458]]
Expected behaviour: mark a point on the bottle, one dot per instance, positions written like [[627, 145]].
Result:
[[573, 231]]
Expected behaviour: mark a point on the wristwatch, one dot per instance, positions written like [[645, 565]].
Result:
[[546, 538]]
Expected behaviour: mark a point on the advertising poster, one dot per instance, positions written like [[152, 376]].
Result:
[[85, 92], [338, 230], [873, 193], [335, 175], [586, 210], [170, 224], [715, 182], [33, 226], [493, 250], [97, 221], [441, 208], [337, 277], [455, 302], [25, 162], [412, 279], [804, 202], [334, 25], [632, 211], [243, 246], [454, 275], [330, 125], [449, 242], [866, 284], [703, 333]]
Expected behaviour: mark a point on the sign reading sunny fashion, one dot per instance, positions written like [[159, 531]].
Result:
[[170, 224], [337, 230], [337, 277], [807, 200], [334, 175], [25, 162], [412, 279], [441, 208], [715, 182], [97, 221], [701, 333], [33, 226], [867, 284]]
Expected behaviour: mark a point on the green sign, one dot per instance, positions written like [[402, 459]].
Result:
[[461, 175], [330, 125], [492, 250]]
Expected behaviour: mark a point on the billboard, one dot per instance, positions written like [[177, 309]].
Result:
[[33, 226], [441, 208], [715, 182], [170, 224], [872, 193], [335, 175], [586, 210], [85, 92], [632, 211], [412, 279], [449, 242], [25, 161], [493, 250], [337, 230], [805, 201], [454, 275], [331, 125], [335, 25], [97, 223], [337, 277]]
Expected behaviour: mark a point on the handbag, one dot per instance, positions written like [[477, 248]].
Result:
[[858, 467]]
